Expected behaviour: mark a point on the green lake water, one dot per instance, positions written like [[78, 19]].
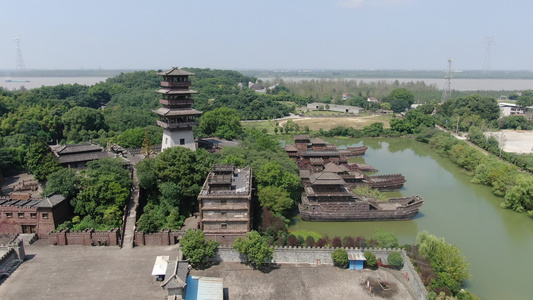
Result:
[[497, 243]]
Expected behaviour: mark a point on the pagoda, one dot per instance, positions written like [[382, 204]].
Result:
[[177, 117]]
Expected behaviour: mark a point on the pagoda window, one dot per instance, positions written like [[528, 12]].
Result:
[[182, 141]]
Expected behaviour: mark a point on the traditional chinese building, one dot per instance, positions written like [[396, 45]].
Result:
[[40, 216], [177, 117], [77, 155], [225, 203]]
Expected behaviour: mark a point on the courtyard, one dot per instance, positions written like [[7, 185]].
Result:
[[81, 272]]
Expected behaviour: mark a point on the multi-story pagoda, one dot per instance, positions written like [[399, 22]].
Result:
[[177, 117]]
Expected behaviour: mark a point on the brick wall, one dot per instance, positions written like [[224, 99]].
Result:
[[87, 237], [308, 255]]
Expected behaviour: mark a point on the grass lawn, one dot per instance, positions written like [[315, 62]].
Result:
[[305, 234], [260, 125], [326, 123]]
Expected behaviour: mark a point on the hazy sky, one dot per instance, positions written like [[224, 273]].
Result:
[[274, 34]]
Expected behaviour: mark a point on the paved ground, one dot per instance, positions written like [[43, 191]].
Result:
[[81, 272], [516, 141], [78, 272], [305, 282]]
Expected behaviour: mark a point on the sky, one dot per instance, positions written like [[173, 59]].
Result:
[[274, 34]]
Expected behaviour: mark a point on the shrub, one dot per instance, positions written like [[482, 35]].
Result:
[[292, 241], [310, 241], [348, 242], [395, 259], [336, 243], [321, 242], [371, 259], [339, 257]]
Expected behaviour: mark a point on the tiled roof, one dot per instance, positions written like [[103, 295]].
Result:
[[175, 71], [50, 201], [290, 147], [321, 153], [163, 111], [326, 178], [176, 91], [331, 167], [83, 157], [176, 275], [77, 148], [301, 137], [318, 141]]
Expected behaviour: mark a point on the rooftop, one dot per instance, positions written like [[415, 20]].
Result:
[[326, 178], [164, 111], [77, 148], [175, 71], [240, 181], [175, 91], [50, 201]]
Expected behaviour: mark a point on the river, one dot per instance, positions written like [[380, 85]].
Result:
[[497, 243], [37, 82]]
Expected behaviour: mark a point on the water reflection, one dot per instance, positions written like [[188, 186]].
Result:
[[498, 243]]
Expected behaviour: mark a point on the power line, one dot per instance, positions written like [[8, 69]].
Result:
[[447, 91], [20, 60]]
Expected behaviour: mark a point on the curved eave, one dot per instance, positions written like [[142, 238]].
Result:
[[176, 112], [176, 92]]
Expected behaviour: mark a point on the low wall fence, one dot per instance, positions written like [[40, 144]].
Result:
[[322, 255], [87, 237]]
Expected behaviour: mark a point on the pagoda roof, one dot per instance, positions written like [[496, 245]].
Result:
[[164, 111], [75, 148], [326, 178], [290, 147], [175, 72], [176, 91], [318, 141], [321, 153], [331, 167], [301, 137]]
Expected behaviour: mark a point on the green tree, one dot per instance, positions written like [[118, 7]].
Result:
[[80, 119], [222, 122], [275, 199], [385, 239], [340, 257], [371, 259], [196, 248], [520, 197], [64, 182], [395, 259], [255, 248], [41, 162]]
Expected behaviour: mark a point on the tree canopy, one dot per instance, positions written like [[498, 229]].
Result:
[[221, 122], [196, 248], [255, 248]]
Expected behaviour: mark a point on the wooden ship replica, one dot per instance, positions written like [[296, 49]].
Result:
[[313, 155], [328, 181]]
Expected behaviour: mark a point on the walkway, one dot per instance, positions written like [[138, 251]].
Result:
[[129, 228]]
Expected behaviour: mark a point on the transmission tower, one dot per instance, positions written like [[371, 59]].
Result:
[[486, 62], [20, 60], [447, 92]]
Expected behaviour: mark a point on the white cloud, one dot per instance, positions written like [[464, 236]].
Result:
[[356, 4]]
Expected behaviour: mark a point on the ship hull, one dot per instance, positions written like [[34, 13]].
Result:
[[358, 211]]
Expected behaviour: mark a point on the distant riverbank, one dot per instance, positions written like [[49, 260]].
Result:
[[36, 82], [460, 84]]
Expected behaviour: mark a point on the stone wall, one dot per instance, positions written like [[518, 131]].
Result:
[[308, 255], [12, 251], [167, 237], [87, 237]]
